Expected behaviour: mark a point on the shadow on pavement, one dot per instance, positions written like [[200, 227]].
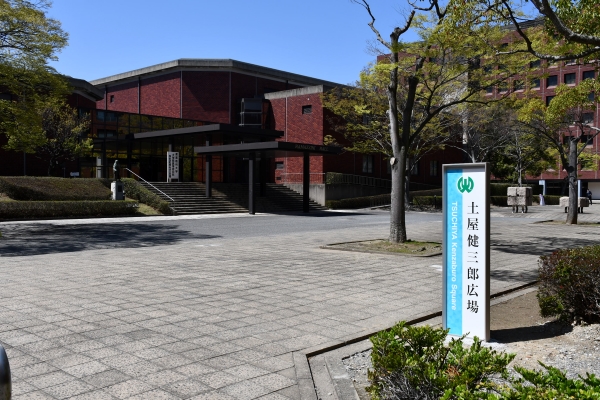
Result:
[[27, 240], [509, 275], [540, 245], [536, 332]]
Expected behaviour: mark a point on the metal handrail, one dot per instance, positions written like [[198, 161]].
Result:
[[166, 195]]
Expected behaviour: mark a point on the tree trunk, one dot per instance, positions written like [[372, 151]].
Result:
[[397, 206], [573, 189]]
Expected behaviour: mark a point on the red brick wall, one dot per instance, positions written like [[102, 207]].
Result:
[[206, 96], [125, 98], [77, 100], [160, 95]]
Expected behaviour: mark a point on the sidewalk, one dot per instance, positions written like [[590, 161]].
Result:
[[221, 318], [557, 213]]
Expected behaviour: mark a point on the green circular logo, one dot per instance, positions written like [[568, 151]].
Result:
[[465, 184]]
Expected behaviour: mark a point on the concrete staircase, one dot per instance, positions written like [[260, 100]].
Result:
[[189, 198]]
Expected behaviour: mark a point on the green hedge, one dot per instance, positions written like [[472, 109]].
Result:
[[433, 201], [134, 190], [31, 188], [419, 193], [359, 202], [63, 209]]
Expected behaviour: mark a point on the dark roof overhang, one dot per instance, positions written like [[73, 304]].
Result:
[[268, 149], [243, 132]]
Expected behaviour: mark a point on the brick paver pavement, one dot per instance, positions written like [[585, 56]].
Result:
[[220, 319]]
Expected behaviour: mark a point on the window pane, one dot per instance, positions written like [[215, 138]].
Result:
[[552, 80], [589, 74], [570, 79]]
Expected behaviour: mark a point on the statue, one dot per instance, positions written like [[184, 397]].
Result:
[[116, 171]]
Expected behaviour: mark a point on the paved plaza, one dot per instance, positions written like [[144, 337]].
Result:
[[223, 307]]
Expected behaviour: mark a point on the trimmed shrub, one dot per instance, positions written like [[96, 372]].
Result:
[[136, 191], [359, 202], [414, 363], [62, 209], [432, 192], [570, 284], [431, 201], [550, 200], [30, 188], [551, 384], [500, 201]]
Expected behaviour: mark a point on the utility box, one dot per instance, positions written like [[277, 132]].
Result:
[[118, 192], [519, 197]]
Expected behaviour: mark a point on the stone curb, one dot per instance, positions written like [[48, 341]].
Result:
[[338, 375]]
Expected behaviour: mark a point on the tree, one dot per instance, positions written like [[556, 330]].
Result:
[[577, 22], [64, 129], [479, 135], [562, 124], [365, 124], [448, 66], [28, 40]]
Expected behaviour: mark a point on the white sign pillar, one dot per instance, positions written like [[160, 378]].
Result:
[[466, 244], [172, 166]]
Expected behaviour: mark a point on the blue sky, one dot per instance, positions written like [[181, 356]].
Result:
[[326, 39]]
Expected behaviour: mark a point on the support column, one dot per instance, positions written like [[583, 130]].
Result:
[[305, 182], [251, 194], [208, 169], [263, 175]]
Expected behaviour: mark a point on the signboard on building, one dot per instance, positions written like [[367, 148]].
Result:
[[465, 243], [172, 166]]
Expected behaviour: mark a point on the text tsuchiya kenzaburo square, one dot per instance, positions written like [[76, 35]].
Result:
[[466, 235]]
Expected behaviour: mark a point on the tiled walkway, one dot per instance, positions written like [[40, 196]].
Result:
[[220, 319]]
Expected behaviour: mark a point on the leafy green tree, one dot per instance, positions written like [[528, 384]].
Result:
[[562, 125], [28, 40], [64, 129], [454, 59], [365, 124], [565, 30]]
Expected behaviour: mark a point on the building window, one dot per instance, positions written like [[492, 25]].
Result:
[[587, 118], [552, 80], [112, 98], [367, 164], [589, 74], [571, 62], [534, 64], [535, 84], [489, 89], [415, 169], [570, 79], [587, 139], [548, 100], [591, 96], [503, 87], [279, 165], [306, 109], [433, 168]]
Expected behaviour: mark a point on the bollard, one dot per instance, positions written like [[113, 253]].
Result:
[[5, 383]]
